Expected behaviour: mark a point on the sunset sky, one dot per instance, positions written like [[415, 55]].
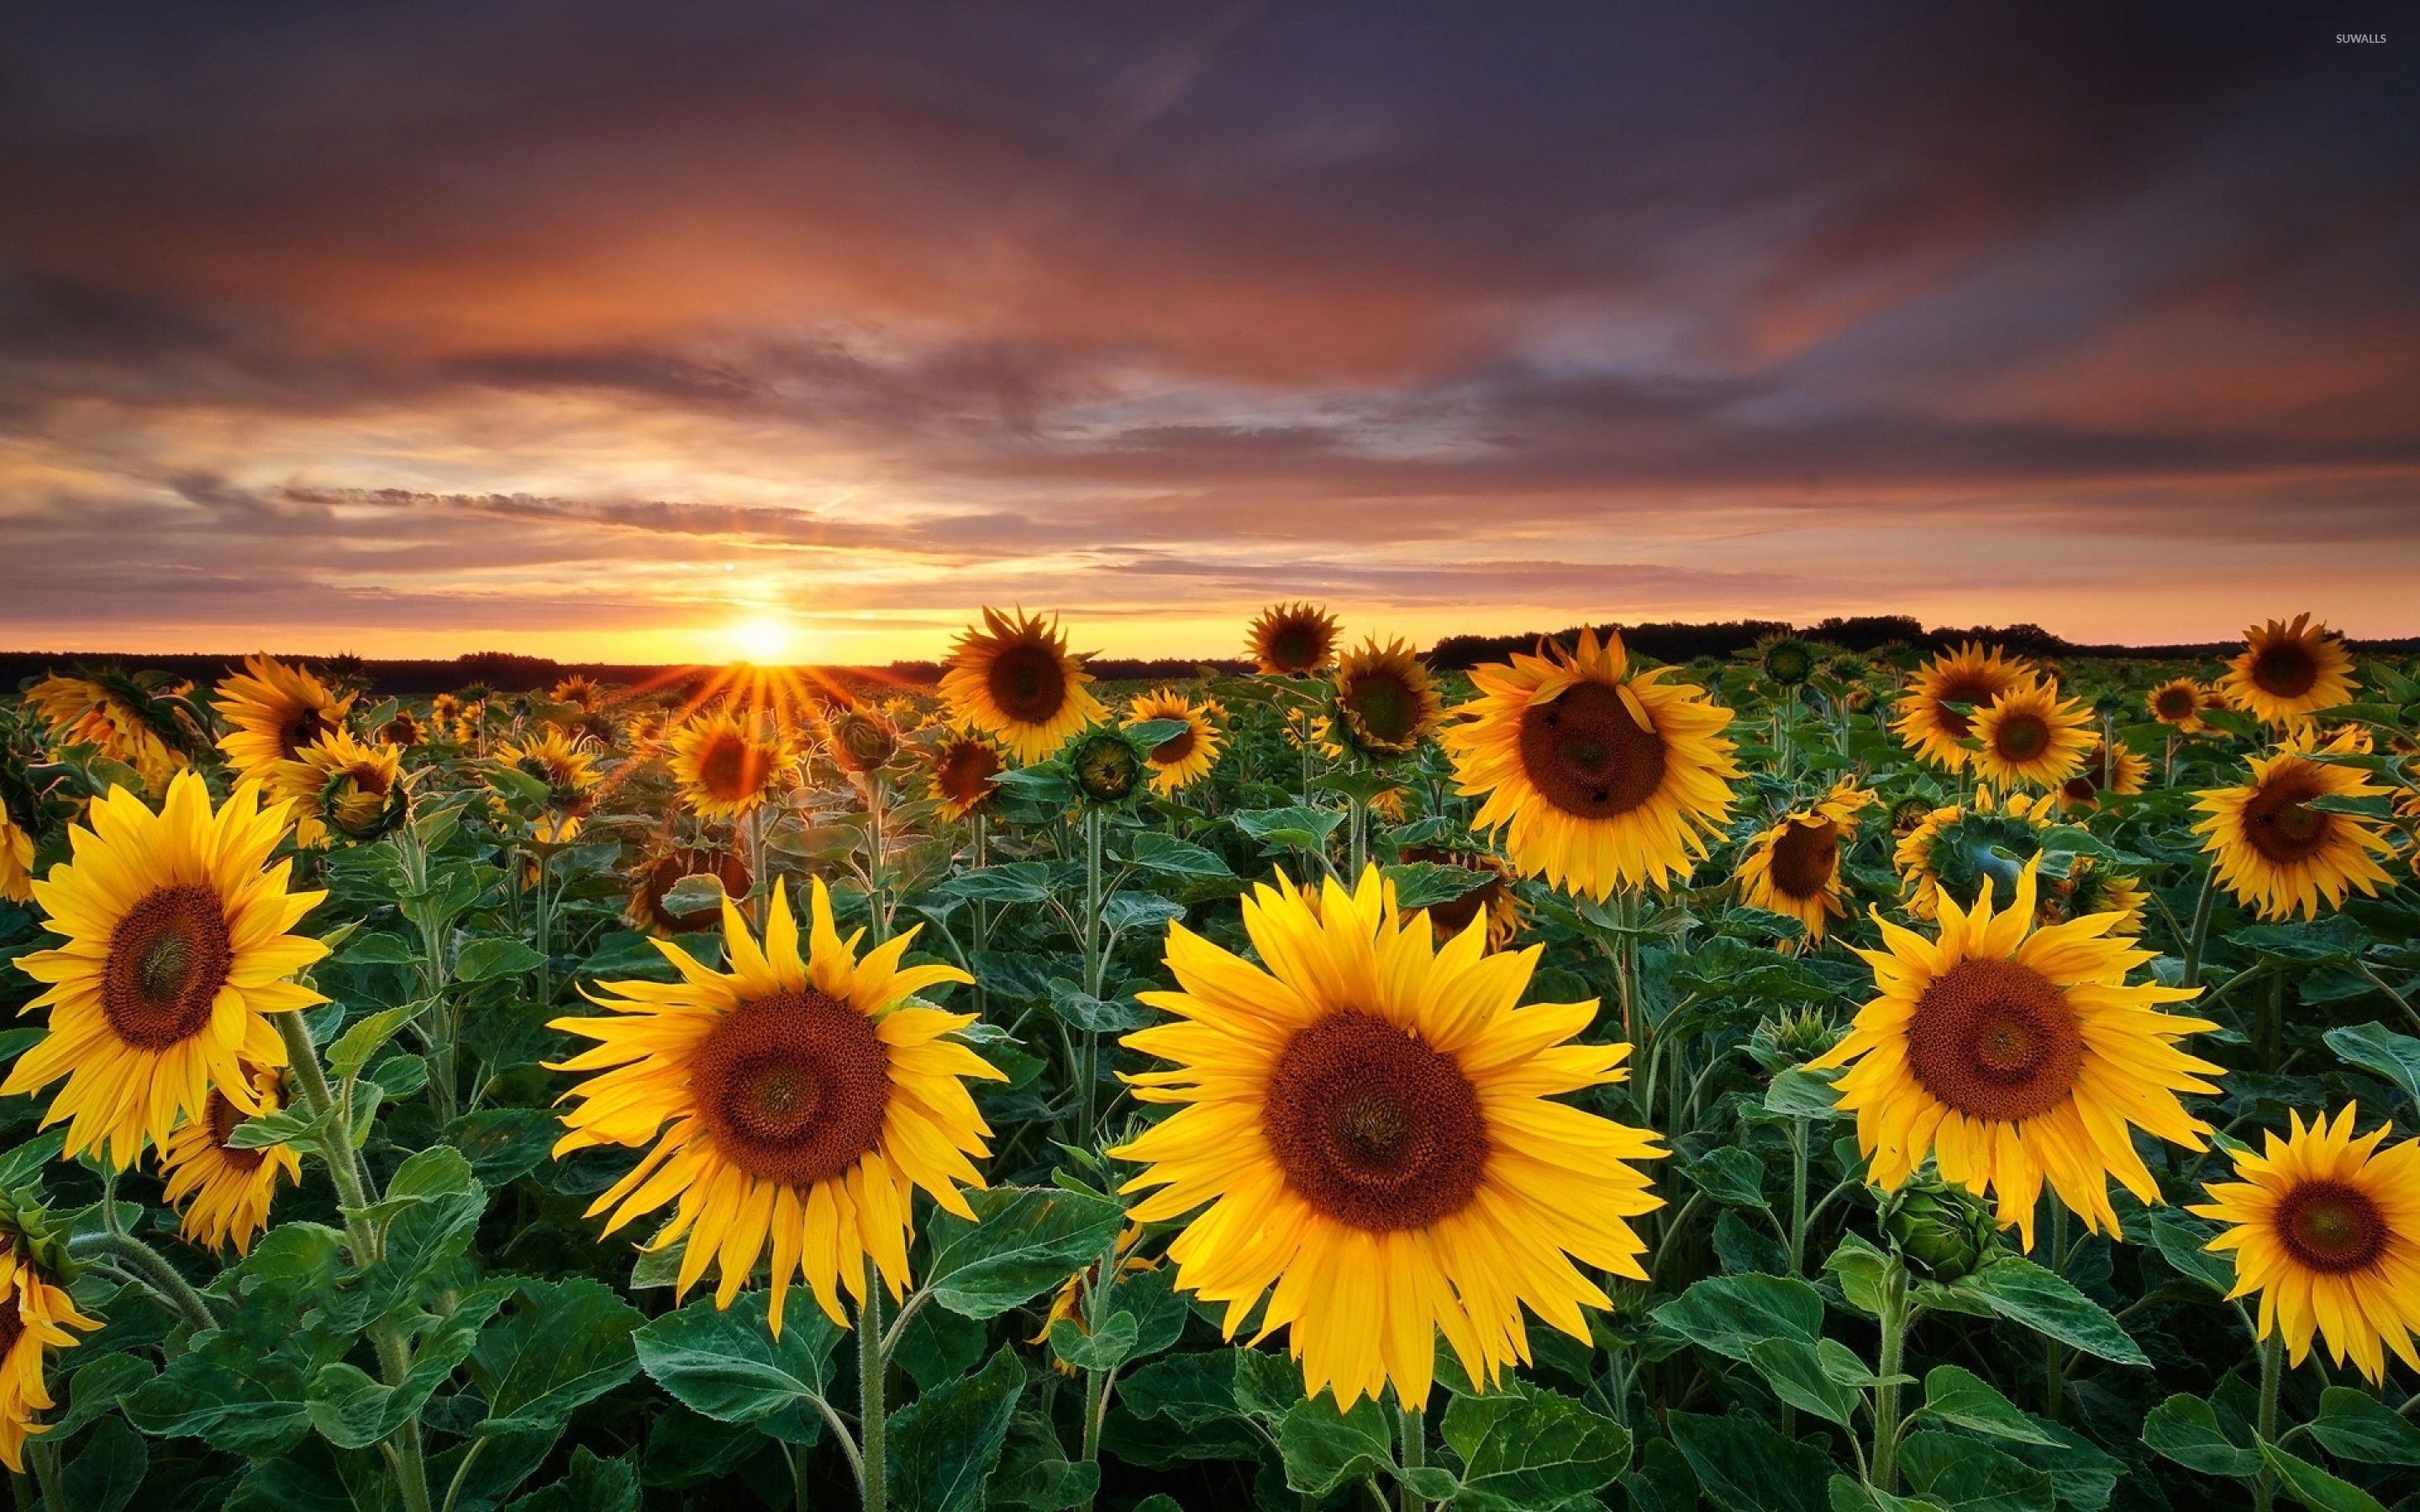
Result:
[[603, 330]]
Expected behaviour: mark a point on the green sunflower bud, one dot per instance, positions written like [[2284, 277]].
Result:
[[1943, 1232], [862, 742], [1105, 766], [25, 1226]]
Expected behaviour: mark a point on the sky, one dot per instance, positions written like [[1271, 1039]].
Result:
[[666, 332]]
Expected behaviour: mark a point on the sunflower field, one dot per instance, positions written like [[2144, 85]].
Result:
[[1809, 1081]]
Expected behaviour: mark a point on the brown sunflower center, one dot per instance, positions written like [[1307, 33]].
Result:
[[223, 1116], [1586, 753], [2286, 670], [1804, 857], [1296, 646], [2280, 823], [2021, 738], [793, 1086], [967, 770], [12, 1324], [2172, 704], [1373, 1128], [1995, 1040], [168, 957], [1386, 707], [1454, 915], [302, 726], [1973, 691], [1028, 683], [731, 767], [1174, 748], [2331, 1226]]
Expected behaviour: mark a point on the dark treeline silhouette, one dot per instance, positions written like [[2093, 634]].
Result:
[[1681, 641]]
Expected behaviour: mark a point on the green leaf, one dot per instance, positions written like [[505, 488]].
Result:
[[2354, 1425], [1544, 1450], [1103, 1350], [1170, 856], [379, 950], [2180, 1242], [2186, 1430], [564, 1343], [2315, 1487], [1426, 884], [728, 1366], [490, 959], [1024, 1241], [1326, 1450], [1958, 1396], [1731, 1175], [95, 1388], [1132, 910], [594, 1485], [1801, 1374], [107, 1470], [1802, 1094], [2375, 1047], [284, 1126], [1957, 1472], [1018, 882], [942, 1446], [1725, 1313], [1860, 1269], [352, 1049], [1303, 829], [502, 1144], [2022, 1292], [1743, 1464]]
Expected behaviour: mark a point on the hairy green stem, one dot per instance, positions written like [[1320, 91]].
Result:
[[1884, 1463], [873, 1472], [158, 1276], [2273, 1378], [1416, 1455]]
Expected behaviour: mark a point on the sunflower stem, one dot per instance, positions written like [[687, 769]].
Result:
[[878, 890], [1884, 1475], [158, 1276], [2200, 930], [871, 1470], [337, 1145], [1095, 974], [43, 1459], [2272, 1376], [1798, 1197], [1416, 1453], [2054, 1367]]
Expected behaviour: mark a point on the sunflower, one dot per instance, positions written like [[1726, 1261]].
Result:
[[2109, 772], [563, 763], [1292, 639], [2180, 703], [1785, 658], [1067, 1302], [1953, 851], [2012, 1052], [1368, 1118], [2089, 889], [444, 709], [1973, 675], [276, 710], [128, 720], [961, 768], [224, 1192], [860, 741], [726, 768], [178, 951], [799, 1097], [1794, 866], [1492, 899], [341, 784], [580, 692], [2030, 737], [16, 860], [1186, 757], [403, 730], [1018, 682], [36, 1313], [2286, 670], [2277, 851], [2326, 1227], [1607, 778], [1385, 703], [663, 868]]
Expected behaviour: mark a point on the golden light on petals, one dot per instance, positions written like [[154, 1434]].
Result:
[[222, 1193], [1292, 639], [1385, 702], [2286, 671], [1014, 679], [961, 769], [1185, 758], [1793, 866], [2030, 737], [727, 767], [35, 1317], [2280, 853], [1973, 675], [274, 710], [2180, 703]]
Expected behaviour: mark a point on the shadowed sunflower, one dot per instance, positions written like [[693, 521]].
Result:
[[1602, 776], [16, 860], [2030, 737], [2088, 888], [1954, 848], [796, 1099], [36, 1313], [1368, 1120], [2180, 703], [403, 730], [1785, 660], [134, 721], [342, 785], [1973, 675], [725, 768], [562, 762], [1017, 682], [1292, 639], [580, 692], [1067, 1302], [663, 870], [2109, 772], [178, 951], [2285, 671], [2012, 1053], [2277, 851], [1186, 757], [273, 711], [1492, 900], [1385, 702], [223, 1192], [961, 768], [1794, 867], [2326, 1227]]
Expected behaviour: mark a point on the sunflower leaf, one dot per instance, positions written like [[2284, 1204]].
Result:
[[1023, 1242], [2377, 1048], [2021, 1292]]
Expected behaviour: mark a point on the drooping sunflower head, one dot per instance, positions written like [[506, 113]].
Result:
[[272, 711], [579, 691], [1928, 721], [341, 785], [137, 719], [1186, 757], [1369, 1119], [1012, 678], [178, 951], [1785, 660], [1492, 899], [2285, 671], [224, 1191], [728, 767], [16, 859], [2277, 851], [2178, 703], [36, 1313], [2030, 737], [1794, 867], [1602, 775], [663, 870], [564, 762], [961, 769], [2326, 1227], [2108, 772], [403, 730], [2012, 1053], [1954, 849], [801, 1097], [860, 741], [1385, 702], [1292, 639]]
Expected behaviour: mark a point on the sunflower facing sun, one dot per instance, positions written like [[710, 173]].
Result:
[[1385, 702], [2285, 671], [273, 711], [1186, 757], [726, 768], [1368, 1121], [2030, 737], [2013, 1053], [799, 1099], [1794, 867], [1015, 680], [2180, 703], [1973, 675], [2326, 1227], [178, 951], [1292, 639], [2279, 853], [1604, 776]]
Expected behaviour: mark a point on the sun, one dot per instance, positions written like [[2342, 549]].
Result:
[[762, 638]]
